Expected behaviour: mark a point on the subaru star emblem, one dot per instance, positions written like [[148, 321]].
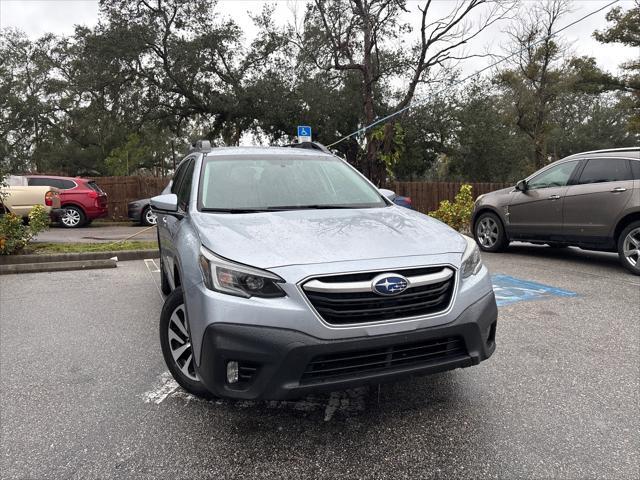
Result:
[[389, 284]]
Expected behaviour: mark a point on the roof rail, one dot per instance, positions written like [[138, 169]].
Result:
[[608, 150], [310, 146], [203, 146]]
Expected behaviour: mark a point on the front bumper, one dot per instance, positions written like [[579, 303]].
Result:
[[276, 360], [134, 212]]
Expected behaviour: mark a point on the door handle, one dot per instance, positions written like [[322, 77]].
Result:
[[164, 219], [618, 190], [554, 197]]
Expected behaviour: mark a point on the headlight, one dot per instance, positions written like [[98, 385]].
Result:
[[232, 278], [471, 261]]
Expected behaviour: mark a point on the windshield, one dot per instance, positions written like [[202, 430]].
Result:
[[243, 184]]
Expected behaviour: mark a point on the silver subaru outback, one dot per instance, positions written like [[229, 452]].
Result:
[[288, 272]]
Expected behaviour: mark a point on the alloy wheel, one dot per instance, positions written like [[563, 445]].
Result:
[[631, 247], [487, 232], [180, 343], [150, 217], [71, 217]]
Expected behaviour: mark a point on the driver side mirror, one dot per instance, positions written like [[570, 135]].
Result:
[[167, 203], [522, 186], [389, 194]]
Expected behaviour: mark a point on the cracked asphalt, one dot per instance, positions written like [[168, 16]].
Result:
[[84, 392]]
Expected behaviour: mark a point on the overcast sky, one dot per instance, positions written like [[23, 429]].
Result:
[[36, 17]]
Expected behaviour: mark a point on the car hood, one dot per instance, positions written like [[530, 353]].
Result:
[[269, 240]]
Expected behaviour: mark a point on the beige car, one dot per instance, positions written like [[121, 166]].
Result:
[[17, 197], [590, 200]]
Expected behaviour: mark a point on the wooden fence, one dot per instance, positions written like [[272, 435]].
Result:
[[425, 196], [122, 190]]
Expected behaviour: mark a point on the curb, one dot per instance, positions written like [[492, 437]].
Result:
[[56, 266], [122, 255]]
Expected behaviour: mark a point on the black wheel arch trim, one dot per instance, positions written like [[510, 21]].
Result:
[[485, 209], [623, 221], [71, 204]]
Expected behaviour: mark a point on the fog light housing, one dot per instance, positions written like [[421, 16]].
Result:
[[233, 372]]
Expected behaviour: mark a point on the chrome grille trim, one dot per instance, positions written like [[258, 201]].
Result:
[[365, 286]]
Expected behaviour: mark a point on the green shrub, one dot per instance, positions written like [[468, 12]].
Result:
[[457, 214], [15, 235]]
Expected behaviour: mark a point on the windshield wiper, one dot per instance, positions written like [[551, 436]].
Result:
[[233, 210], [305, 207]]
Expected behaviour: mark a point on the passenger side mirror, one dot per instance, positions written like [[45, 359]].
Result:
[[167, 203], [389, 194], [521, 186]]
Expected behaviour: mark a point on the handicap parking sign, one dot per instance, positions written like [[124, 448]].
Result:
[[304, 133]]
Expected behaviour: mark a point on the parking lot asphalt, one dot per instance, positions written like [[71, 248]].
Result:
[[85, 393], [97, 233]]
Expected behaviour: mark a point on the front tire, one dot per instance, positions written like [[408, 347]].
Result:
[[175, 340], [148, 217], [73, 217], [629, 248], [489, 233]]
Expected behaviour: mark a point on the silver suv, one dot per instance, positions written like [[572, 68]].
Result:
[[288, 272], [590, 200]]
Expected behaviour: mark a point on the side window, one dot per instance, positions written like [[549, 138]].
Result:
[[177, 178], [184, 192], [66, 184], [41, 182], [557, 176], [635, 169], [605, 170]]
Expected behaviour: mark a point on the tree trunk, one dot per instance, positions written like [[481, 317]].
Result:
[[371, 158], [540, 145]]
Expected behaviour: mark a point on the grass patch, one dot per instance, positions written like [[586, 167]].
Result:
[[46, 248]]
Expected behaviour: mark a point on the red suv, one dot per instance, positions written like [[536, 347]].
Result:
[[81, 199]]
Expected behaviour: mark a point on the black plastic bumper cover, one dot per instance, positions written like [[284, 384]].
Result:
[[56, 214], [283, 355]]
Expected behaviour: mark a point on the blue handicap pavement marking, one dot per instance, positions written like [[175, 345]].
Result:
[[510, 290]]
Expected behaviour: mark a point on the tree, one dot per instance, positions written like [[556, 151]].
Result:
[[358, 36], [428, 130], [488, 147], [26, 117], [536, 74], [192, 64], [626, 30]]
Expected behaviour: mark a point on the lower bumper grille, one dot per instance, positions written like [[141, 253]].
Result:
[[327, 367]]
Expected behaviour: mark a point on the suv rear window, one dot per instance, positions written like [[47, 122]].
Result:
[[94, 186], [605, 170]]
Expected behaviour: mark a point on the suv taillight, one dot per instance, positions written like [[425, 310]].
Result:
[[48, 198]]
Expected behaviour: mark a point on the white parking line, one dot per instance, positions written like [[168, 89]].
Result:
[[152, 267], [166, 386], [347, 402], [149, 262]]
